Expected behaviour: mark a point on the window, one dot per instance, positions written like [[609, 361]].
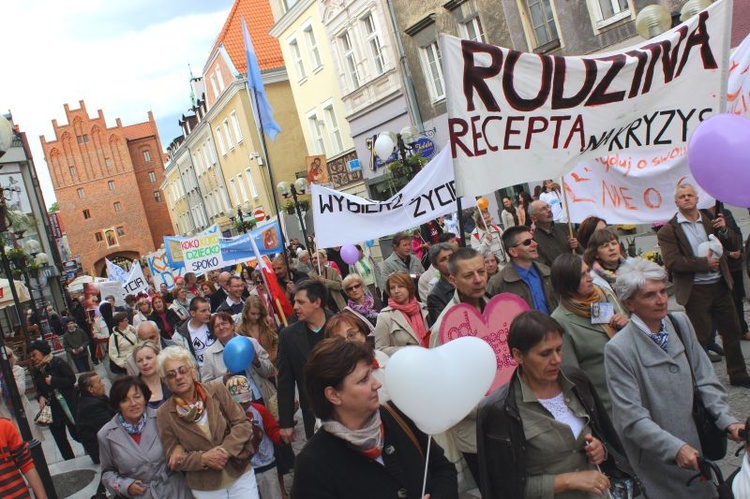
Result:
[[243, 191], [80, 193], [117, 206], [98, 236], [233, 188], [350, 61], [542, 22], [73, 173], [152, 177], [219, 79], [236, 126], [333, 125], [299, 65], [251, 183], [433, 72], [288, 4], [147, 156], [316, 132], [111, 185], [82, 139], [230, 136], [220, 138], [120, 231], [214, 86], [373, 42], [471, 29], [108, 162], [608, 11], [312, 47], [86, 214], [157, 196]]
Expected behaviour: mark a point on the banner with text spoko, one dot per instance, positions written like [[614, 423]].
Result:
[[514, 117], [202, 252], [342, 218]]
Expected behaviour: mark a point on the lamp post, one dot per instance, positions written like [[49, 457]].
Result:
[[388, 142], [299, 187], [35, 447]]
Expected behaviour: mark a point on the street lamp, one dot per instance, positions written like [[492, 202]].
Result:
[[299, 187], [35, 447], [388, 142]]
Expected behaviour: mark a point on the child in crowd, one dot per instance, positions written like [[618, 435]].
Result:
[[264, 461]]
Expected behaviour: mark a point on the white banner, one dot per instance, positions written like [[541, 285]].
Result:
[[514, 117], [342, 218], [630, 188], [136, 281]]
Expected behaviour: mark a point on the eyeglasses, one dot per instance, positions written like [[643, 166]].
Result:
[[182, 371], [525, 242], [353, 287]]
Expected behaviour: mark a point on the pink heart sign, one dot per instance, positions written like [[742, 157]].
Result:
[[491, 326]]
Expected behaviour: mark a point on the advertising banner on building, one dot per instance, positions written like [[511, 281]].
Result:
[[515, 117], [342, 218]]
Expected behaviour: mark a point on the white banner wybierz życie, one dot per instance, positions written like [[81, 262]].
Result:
[[342, 218], [515, 117]]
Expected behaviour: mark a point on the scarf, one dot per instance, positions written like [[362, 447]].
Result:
[[413, 314], [582, 307], [368, 440], [367, 308], [608, 275], [192, 412], [133, 429]]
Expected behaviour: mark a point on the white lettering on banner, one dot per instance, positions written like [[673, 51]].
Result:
[[342, 218], [514, 117]]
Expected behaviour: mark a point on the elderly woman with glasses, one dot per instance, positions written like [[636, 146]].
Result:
[[652, 365], [360, 298], [132, 457], [204, 432]]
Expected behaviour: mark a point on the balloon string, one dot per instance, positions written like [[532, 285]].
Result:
[[426, 465]]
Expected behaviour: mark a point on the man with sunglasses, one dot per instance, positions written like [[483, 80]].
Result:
[[524, 275]]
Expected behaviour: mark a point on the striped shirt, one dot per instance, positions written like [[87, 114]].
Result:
[[15, 459]]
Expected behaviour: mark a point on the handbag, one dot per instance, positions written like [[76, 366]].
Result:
[[712, 438], [44, 416]]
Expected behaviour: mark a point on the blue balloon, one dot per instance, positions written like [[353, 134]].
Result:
[[239, 353], [370, 243]]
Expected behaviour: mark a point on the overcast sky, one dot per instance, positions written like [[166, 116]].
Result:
[[125, 57]]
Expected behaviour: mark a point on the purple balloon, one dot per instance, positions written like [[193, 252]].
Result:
[[350, 254], [719, 158]]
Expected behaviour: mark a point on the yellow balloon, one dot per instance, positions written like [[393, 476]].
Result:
[[483, 203]]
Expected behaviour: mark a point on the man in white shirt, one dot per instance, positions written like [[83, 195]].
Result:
[[195, 334]]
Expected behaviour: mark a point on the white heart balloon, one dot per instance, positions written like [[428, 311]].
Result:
[[438, 387]]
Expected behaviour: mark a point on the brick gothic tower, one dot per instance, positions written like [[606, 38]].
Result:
[[107, 185]]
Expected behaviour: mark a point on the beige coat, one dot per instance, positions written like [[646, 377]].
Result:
[[229, 427], [392, 330], [332, 282]]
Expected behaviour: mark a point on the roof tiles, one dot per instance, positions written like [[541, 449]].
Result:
[[259, 20]]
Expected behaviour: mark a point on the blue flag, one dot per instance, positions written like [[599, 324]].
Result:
[[254, 80]]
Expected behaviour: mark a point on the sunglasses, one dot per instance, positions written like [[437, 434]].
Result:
[[353, 287], [182, 371], [525, 242]]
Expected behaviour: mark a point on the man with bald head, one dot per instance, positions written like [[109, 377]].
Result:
[[147, 331], [221, 293], [553, 239]]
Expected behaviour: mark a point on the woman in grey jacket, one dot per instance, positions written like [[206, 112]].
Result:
[[132, 457], [648, 374]]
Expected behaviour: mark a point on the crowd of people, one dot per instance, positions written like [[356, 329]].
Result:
[[596, 404]]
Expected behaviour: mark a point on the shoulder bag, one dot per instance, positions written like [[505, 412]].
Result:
[[713, 439]]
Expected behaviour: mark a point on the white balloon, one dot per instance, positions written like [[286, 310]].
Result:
[[438, 387], [384, 146]]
